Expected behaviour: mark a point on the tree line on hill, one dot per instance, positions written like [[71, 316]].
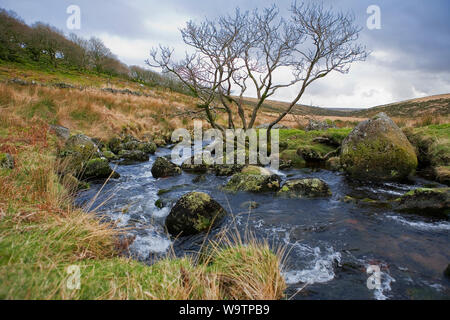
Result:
[[44, 44]]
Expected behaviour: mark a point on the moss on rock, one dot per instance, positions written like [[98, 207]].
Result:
[[309, 188], [432, 201], [98, 169], [164, 168], [253, 179], [194, 213], [378, 150]]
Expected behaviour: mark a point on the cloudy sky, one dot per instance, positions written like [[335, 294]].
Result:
[[410, 53]]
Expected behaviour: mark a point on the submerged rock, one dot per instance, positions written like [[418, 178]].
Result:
[[426, 201], [6, 161], [309, 188], [164, 168], [378, 150], [194, 213], [254, 179]]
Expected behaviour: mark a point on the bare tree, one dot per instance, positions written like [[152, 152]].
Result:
[[247, 49]]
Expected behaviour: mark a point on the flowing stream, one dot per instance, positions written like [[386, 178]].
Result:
[[331, 243]]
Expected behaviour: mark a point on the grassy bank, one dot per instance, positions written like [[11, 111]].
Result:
[[42, 234], [432, 144], [293, 140]]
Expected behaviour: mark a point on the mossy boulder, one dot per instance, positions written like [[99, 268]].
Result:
[[96, 169], [190, 166], [253, 179], [225, 170], [6, 161], [194, 213], [378, 150], [115, 145], [130, 143], [77, 151], [133, 156], [164, 168], [83, 159], [110, 155], [305, 188], [432, 201]]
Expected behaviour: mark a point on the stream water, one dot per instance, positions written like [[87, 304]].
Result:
[[330, 242]]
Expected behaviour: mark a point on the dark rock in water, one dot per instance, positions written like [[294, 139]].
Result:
[[254, 179], [305, 188], [190, 166], [133, 156], [447, 271], [164, 168], [316, 125], [6, 161], [194, 213], [430, 201], [60, 132], [378, 150], [159, 204], [225, 170], [98, 169]]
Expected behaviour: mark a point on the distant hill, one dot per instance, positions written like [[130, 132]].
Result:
[[438, 105]]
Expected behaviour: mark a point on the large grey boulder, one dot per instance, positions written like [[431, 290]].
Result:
[[378, 150]]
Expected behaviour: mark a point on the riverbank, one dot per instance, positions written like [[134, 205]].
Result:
[[42, 234]]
